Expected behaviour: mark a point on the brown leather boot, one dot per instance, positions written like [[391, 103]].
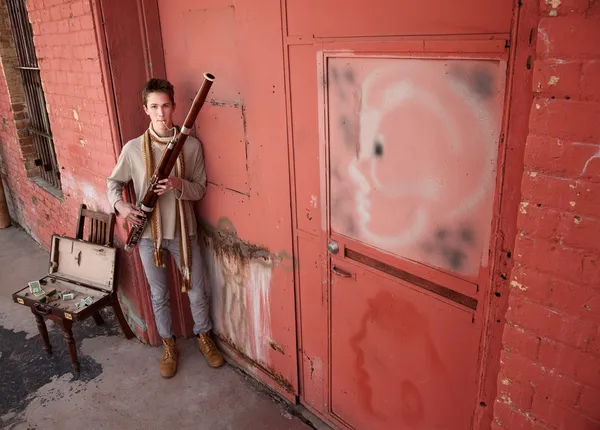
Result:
[[168, 364], [209, 350]]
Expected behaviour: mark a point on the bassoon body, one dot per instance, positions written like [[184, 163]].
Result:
[[167, 162]]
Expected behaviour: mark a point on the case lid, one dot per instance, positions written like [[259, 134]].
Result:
[[88, 263]]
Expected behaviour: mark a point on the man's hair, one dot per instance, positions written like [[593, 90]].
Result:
[[156, 85]]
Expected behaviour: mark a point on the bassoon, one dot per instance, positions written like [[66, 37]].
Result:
[[167, 162]]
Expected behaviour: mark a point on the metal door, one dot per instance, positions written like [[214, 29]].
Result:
[[410, 147], [409, 135]]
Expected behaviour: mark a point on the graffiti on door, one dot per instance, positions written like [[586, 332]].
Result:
[[412, 331], [413, 148]]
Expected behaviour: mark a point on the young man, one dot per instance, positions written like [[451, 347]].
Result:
[[172, 224]]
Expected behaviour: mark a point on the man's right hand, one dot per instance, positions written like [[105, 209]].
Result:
[[129, 212]]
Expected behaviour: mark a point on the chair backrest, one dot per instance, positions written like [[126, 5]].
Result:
[[100, 226]]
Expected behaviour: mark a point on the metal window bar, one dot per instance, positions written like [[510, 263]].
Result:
[[32, 84]]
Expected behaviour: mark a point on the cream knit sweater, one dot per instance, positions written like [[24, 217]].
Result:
[[130, 167]]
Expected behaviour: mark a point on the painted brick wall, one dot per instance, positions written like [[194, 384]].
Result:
[[550, 363], [68, 57]]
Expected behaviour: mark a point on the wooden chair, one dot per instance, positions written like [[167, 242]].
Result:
[[101, 226], [100, 230]]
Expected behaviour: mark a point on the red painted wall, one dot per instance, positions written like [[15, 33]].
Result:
[[550, 362], [67, 52]]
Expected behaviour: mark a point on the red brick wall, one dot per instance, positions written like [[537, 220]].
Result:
[[550, 363], [68, 57], [13, 114]]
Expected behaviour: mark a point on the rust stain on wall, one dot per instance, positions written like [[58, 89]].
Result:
[[239, 281], [276, 347], [275, 376]]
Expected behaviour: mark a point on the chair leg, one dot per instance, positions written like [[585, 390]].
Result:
[[43, 331], [68, 334], [125, 329], [98, 318]]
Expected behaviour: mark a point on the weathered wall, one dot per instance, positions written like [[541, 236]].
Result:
[[68, 58], [550, 363]]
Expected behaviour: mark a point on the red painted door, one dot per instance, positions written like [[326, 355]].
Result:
[[410, 146], [397, 215]]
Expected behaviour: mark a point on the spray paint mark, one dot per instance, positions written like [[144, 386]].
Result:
[[413, 147], [382, 312], [482, 83]]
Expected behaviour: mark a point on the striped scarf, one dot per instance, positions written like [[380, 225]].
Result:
[[185, 252]]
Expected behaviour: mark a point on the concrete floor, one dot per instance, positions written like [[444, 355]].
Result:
[[119, 386]]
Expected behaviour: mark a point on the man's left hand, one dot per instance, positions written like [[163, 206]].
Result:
[[168, 184]]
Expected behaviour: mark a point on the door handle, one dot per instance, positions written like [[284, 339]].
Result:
[[333, 247], [340, 272]]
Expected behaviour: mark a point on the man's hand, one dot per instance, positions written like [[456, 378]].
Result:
[[129, 212], [168, 184]]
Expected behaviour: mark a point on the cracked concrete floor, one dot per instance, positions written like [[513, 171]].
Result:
[[119, 385]]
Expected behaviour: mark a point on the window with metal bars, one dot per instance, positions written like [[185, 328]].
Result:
[[39, 124]]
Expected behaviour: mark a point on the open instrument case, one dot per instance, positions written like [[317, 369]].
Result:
[[85, 269]]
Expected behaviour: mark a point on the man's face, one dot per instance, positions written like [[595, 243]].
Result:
[[160, 110]]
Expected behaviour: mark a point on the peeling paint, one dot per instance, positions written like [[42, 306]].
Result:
[[80, 189], [239, 283], [238, 277], [276, 347], [130, 313], [278, 378], [572, 204], [523, 206], [587, 163], [521, 287], [553, 80], [545, 39]]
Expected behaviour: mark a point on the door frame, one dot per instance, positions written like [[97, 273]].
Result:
[[143, 58], [520, 44]]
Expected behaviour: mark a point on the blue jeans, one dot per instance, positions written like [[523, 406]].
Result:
[[158, 280]]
